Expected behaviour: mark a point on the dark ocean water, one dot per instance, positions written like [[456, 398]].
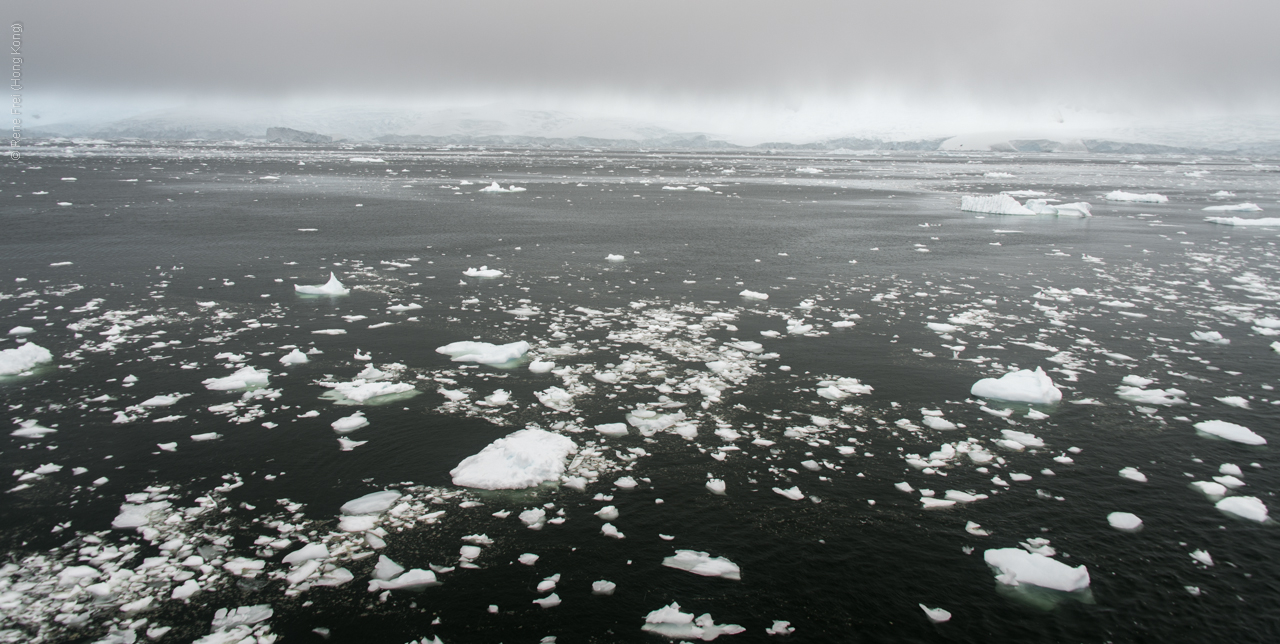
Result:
[[192, 252]]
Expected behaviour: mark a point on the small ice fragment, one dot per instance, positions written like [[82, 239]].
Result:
[[350, 423], [603, 587], [792, 493], [936, 615], [332, 287], [1124, 521], [1133, 474], [701, 563]]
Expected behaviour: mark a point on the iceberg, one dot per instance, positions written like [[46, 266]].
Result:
[[669, 621], [1245, 507], [494, 187], [1019, 386], [332, 287], [754, 295], [1230, 431], [1239, 207], [1240, 221], [483, 271], [16, 361], [372, 503], [1018, 566], [1120, 195], [1124, 521], [701, 563], [484, 352], [245, 378], [294, 357], [522, 459], [994, 204], [360, 391]]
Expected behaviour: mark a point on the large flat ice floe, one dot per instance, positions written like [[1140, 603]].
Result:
[[1241, 221], [1238, 207], [1230, 431], [1019, 386], [16, 361], [244, 378], [1018, 567], [520, 460], [332, 287], [994, 205], [701, 563], [484, 352], [670, 621], [1150, 197]]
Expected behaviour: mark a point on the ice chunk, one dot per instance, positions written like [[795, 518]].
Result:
[[669, 621], [550, 601], [373, 503], [1019, 386], [1212, 337], [612, 429], [716, 486], [1245, 507], [1151, 197], [1239, 207], [1168, 396], [1136, 381], [1018, 566], [603, 587], [1240, 221], [415, 579], [350, 423], [539, 366], [332, 287], [294, 357], [780, 627], [307, 553], [1230, 431], [31, 429], [615, 258], [21, 330], [484, 352], [936, 615], [754, 295], [701, 563], [386, 568], [792, 493], [245, 378], [494, 187], [16, 361], [483, 271], [361, 391], [520, 460], [994, 204], [1133, 474], [1124, 521]]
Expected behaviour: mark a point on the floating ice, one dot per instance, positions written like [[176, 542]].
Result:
[[350, 423], [294, 357], [1124, 521], [1018, 566], [1212, 337], [1019, 386], [16, 361], [1245, 507], [332, 287], [603, 587], [1168, 396], [21, 330], [483, 271], [245, 378], [1151, 197], [701, 563], [754, 295], [520, 460], [612, 429], [1230, 431], [360, 391], [307, 553], [1043, 207], [373, 503], [670, 622], [494, 187], [539, 366], [1240, 221], [1239, 207], [936, 615], [484, 352], [1133, 474], [792, 493], [716, 486], [994, 204], [615, 258], [415, 579]]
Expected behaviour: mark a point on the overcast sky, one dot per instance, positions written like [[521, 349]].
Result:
[[1099, 54]]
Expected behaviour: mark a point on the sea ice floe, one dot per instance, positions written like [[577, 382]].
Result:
[[754, 295], [1151, 197], [483, 271], [1124, 521], [332, 287], [701, 563], [294, 357], [1133, 474], [1239, 207], [359, 391], [1019, 386], [1245, 507], [669, 621], [1230, 431], [1168, 396], [1017, 566], [484, 352], [244, 378], [1212, 337], [350, 423], [936, 615], [1001, 204], [22, 359], [1241, 221], [495, 188], [522, 459]]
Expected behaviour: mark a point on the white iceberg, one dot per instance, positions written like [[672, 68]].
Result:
[[994, 204], [669, 621], [1245, 507], [1239, 207], [1017, 566], [701, 563], [522, 459], [23, 358], [373, 503], [245, 378], [294, 357], [1019, 386], [1151, 197], [332, 287], [1124, 521], [1230, 431], [1240, 221], [483, 271], [484, 352], [754, 295]]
